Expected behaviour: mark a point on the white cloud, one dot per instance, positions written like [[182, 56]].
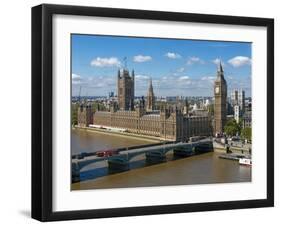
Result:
[[105, 62], [141, 58], [173, 55], [182, 78], [183, 81], [76, 79], [181, 69], [210, 78], [141, 84], [104, 82], [217, 62], [239, 61], [193, 60], [142, 77]]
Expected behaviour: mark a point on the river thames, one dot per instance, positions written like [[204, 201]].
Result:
[[199, 169]]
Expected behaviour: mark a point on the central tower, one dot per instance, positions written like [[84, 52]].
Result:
[[126, 89], [150, 103], [220, 93]]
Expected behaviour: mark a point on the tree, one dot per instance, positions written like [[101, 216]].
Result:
[[74, 113], [232, 128], [246, 133], [96, 106]]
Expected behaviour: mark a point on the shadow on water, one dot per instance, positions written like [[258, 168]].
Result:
[[104, 171]]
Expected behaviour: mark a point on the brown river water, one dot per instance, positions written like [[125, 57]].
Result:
[[199, 169]]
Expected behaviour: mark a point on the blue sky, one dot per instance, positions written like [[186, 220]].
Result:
[[177, 67]]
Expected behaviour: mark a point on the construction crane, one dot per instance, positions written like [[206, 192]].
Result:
[[79, 96], [125, 62]]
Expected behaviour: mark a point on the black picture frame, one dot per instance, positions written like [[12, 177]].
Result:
[[42, 111]]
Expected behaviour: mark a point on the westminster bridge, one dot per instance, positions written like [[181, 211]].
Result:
[[155, 153]]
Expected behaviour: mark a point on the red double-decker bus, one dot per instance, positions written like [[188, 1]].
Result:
[[107, 153]]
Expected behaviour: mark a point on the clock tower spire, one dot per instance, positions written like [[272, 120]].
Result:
[[220, 93]]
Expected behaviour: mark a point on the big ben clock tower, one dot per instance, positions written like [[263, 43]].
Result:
[[220, 92]]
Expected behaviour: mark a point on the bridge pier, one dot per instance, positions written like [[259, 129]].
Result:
[[118, 163], [203, 148], [75, 172], [155, 156], [183, 151]]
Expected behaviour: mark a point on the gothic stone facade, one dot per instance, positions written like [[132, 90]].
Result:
[[150, 102], [126, 89], [220, 92], [166, 124], [84, 115]]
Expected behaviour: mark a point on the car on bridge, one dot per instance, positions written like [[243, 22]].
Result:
[[107, 153]]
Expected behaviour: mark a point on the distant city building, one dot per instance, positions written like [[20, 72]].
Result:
[[199, 112], [196, 111], [247, 116], [238, 98], [171, 99], [241, 107], [241, 100], [207, 103], [186, 107], [126, 89], [150, 103], [248, 104], [220, 93], [237, 113], [247, 119], [195, 107], [111, 94], [234, 97]]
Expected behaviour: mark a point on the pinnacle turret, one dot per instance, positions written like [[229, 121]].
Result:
[[150, 97]]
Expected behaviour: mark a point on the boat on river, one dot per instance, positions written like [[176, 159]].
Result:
[[245, 161]]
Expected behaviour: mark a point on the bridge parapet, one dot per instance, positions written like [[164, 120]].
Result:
[[154, 152]]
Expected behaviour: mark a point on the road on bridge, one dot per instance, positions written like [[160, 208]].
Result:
[[91, 159]]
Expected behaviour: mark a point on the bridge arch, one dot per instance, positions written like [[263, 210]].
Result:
[[77, 164]]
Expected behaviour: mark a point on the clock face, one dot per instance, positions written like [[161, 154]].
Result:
[[217, 90]]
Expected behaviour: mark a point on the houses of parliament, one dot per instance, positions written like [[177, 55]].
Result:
[[172, 122]]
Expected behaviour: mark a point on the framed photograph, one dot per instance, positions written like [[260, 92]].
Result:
[[145, 112]]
